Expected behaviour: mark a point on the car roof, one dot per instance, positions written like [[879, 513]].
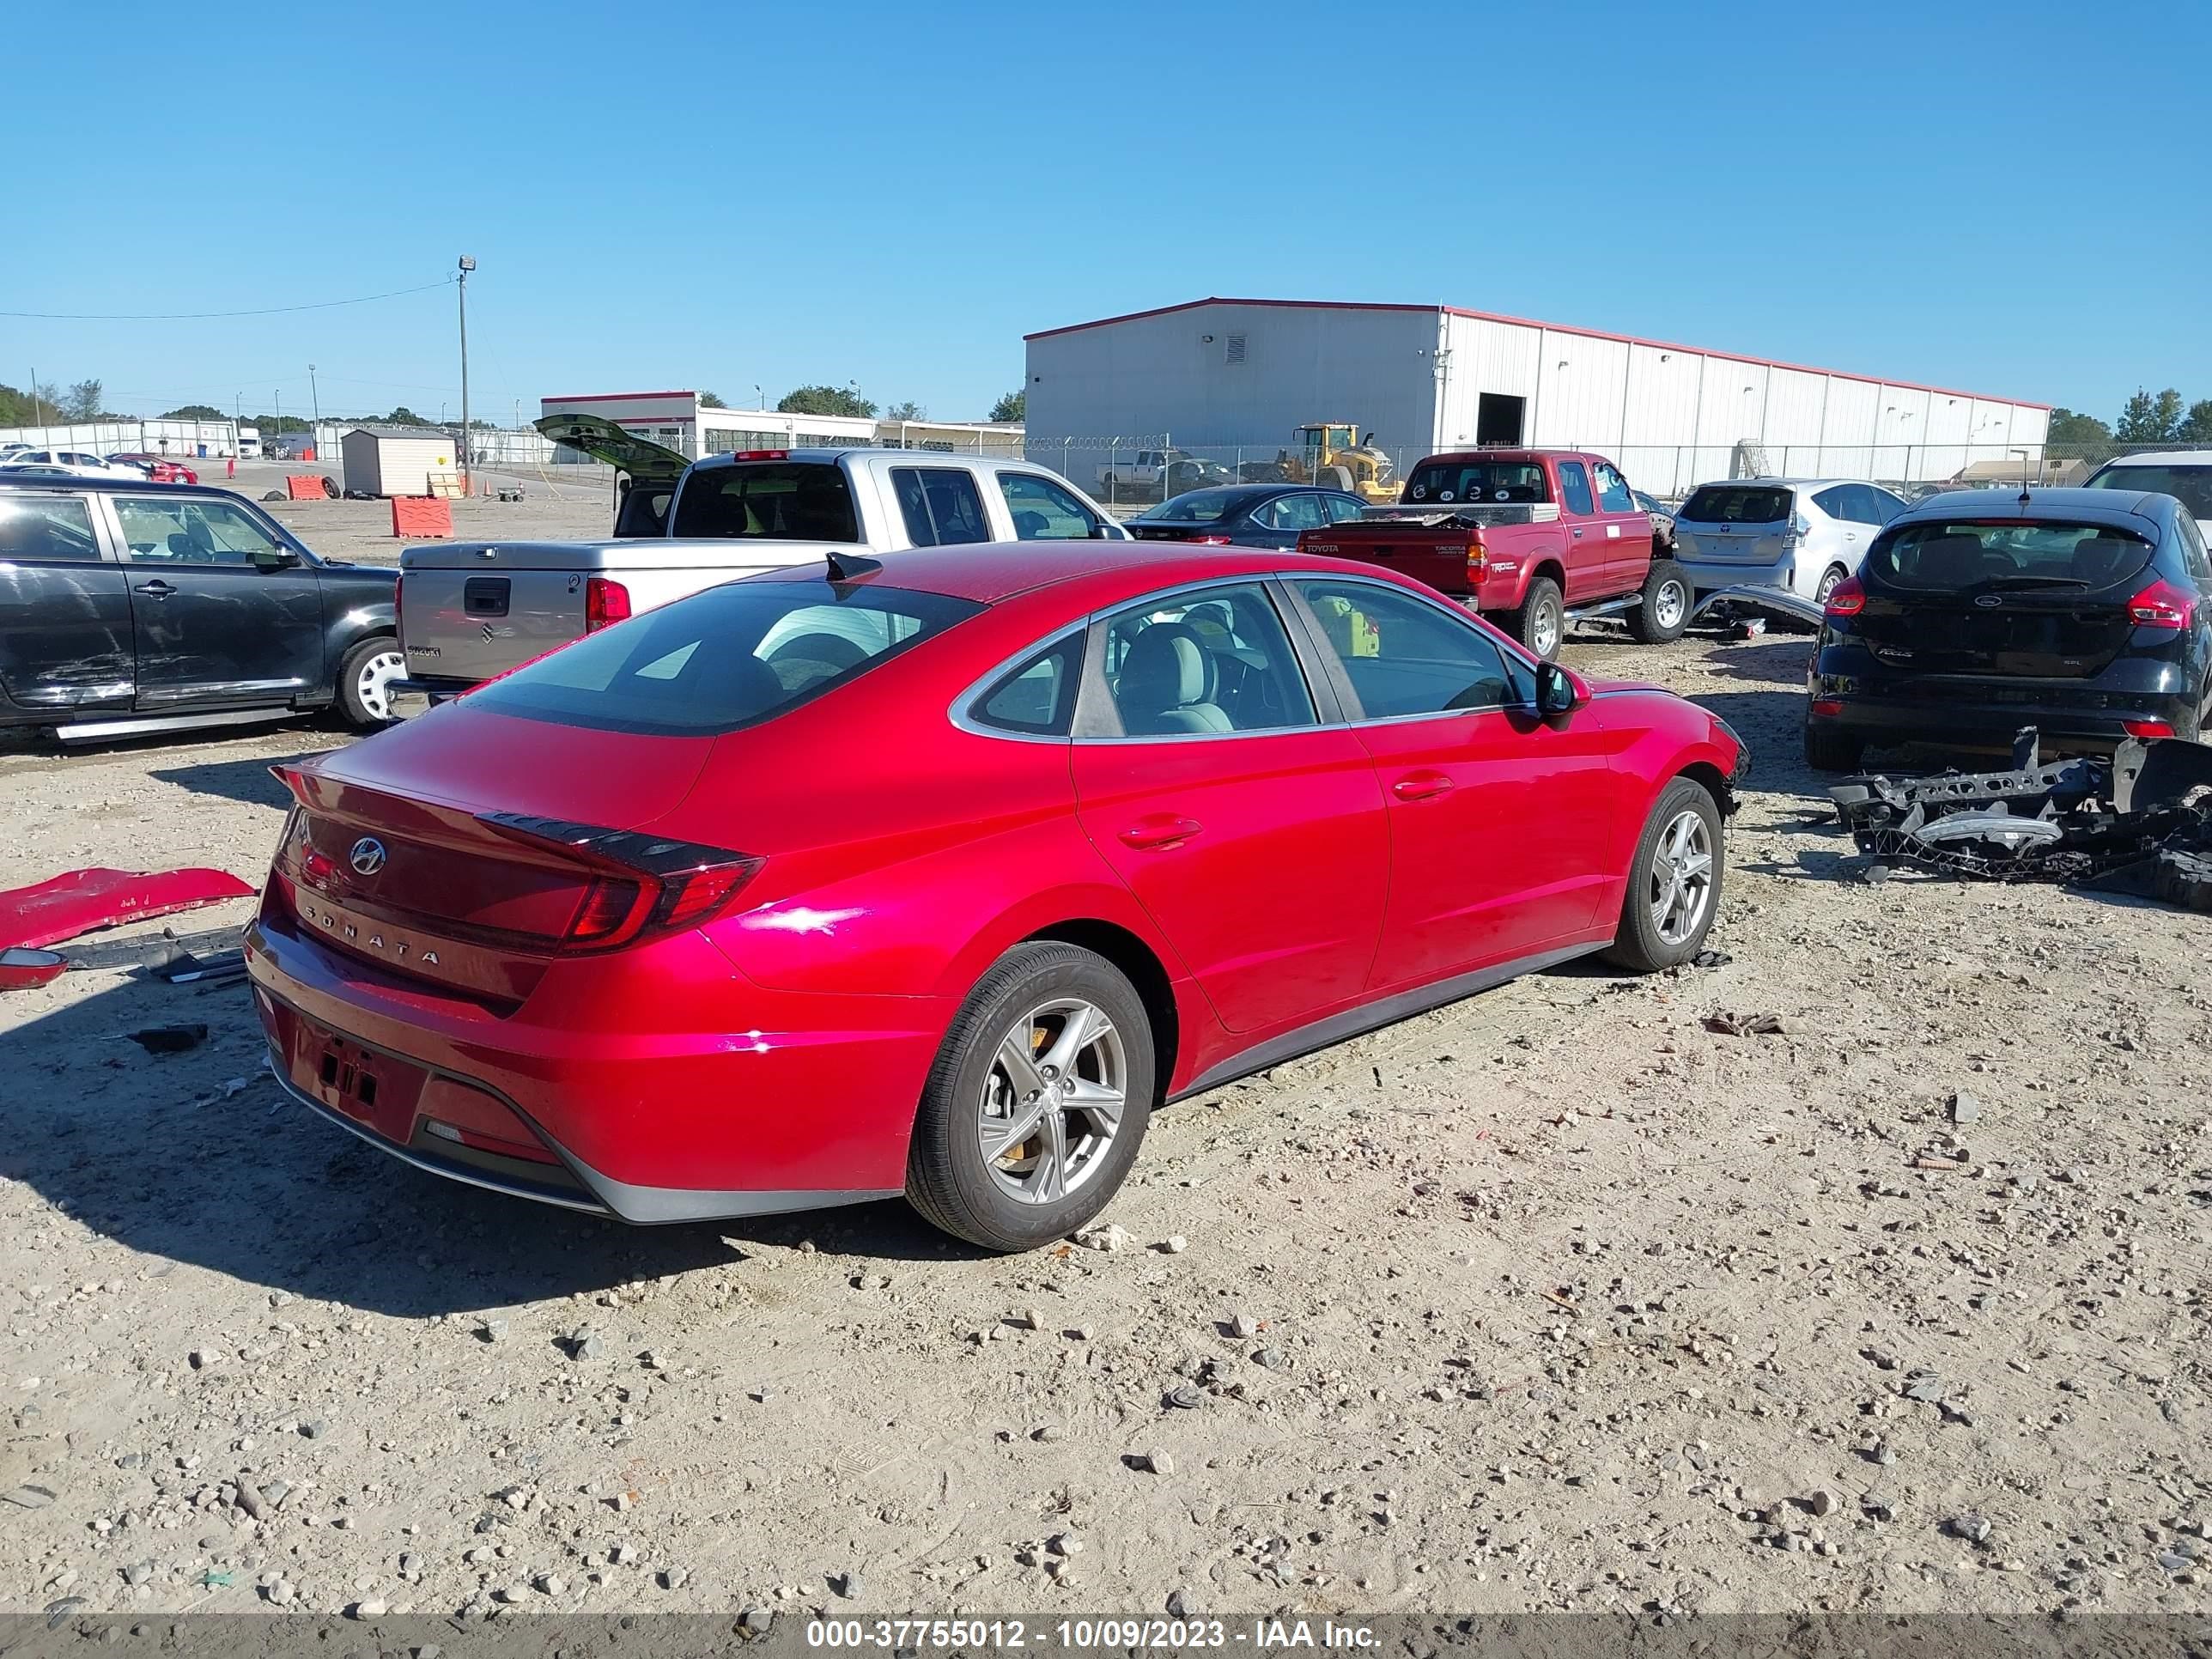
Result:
[[857, 452], [16, 481], [1093, 573], [1253, 492], [2162, 457], [2105, 507], [1763, 481]]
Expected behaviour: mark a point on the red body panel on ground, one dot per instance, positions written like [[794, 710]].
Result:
[[85, 900]]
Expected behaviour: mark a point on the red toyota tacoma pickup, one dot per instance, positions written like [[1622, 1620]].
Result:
[[1533, 537]]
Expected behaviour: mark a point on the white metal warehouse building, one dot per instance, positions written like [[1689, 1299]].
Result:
[[1231, 380]]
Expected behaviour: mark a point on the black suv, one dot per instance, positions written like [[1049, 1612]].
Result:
[[130, 607], [2086, 613]]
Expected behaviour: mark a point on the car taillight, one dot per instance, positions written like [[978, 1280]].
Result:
[[2161, 606], [2146, 728], [606, 602], [1827, 707], [1847, 598], [399, 587], [647, 884], [1210, 541], [1478, 561]]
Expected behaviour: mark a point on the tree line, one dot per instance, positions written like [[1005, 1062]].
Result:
[[847, 400], [2149, 417]]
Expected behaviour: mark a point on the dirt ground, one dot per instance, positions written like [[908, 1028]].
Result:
[[1551, 1298]]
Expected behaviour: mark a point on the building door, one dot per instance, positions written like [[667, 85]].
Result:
[[1497, 419]]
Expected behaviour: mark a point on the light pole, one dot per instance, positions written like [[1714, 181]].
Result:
[[461, 285], [759, 402], [315, 433], [279, 395]]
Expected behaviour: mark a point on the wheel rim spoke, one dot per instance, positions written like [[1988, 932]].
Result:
[[1053, 1100]]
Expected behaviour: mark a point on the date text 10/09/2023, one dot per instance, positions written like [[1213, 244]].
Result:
[[1083, 1635]]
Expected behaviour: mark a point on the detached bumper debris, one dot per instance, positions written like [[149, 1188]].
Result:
[[2140, 823], [83, 901]]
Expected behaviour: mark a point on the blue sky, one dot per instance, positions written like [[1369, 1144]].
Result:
[[2017, 201]]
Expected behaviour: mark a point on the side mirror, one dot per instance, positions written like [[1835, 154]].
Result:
[[1558, 692], [1107, 531], [273, 558]]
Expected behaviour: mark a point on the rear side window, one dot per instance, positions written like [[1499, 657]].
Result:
[[2189, 485], [730, 657], [43, 529], [1197, 506], [1736, 504], [939, 505], [786, 500], [1038, 698], [1342, 509], [1574, 484], [1961, 556]]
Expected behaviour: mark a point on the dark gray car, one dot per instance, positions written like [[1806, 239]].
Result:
[[136, 607], [1246, 515]]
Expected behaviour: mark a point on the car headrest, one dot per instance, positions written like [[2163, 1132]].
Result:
[[1950, 561], [1168, 667], [2101, 561]]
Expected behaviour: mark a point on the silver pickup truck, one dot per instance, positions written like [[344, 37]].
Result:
[[469, 611]]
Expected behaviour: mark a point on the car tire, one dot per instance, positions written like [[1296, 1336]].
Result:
[[1021, 1197], [1674, 889], [1540, 623], [1829, 578], [1827, 750], [364, 682], [1664, 611]]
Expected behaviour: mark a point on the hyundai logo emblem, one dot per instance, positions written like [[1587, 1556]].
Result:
[[1988, 601], [367, 857]]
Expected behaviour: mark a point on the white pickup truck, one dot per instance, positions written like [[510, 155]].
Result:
[[469, 611]]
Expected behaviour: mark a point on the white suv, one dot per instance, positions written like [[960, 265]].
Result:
[[2183, 474], [1802, 534], [74, 462]]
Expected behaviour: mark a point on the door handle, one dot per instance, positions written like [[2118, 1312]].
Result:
[[1420, 785], [157, 588], [1157, 834], [1578, 535]]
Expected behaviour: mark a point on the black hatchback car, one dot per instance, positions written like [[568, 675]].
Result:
[[2082, 612], [1245, 516], [129, 607]]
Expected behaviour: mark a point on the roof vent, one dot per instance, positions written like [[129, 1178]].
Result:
[[1233, 352]]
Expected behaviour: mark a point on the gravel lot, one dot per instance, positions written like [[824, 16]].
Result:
[[1551, 1298]]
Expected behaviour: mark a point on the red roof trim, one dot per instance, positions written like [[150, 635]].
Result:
[[1553, 328], [614, 397]]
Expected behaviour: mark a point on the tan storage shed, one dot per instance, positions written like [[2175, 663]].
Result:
[[396, 460]]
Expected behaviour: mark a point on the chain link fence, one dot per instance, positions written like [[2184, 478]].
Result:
[[1131, 473]]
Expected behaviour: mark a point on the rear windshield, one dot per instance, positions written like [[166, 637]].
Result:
[[1478, 481], [730, 657], [1736, 504], [2189, 485], [1961, 556], [1199, 507], [789, 501]]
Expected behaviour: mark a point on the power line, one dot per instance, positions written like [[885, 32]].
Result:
[[197, 316]]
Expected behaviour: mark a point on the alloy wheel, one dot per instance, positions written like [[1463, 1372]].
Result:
[[1053, 1100], [1682, 877], [372, 686]]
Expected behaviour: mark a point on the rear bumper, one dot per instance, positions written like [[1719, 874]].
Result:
[[1713, 573], [436, 687], [1975, 713], [809, 1104]]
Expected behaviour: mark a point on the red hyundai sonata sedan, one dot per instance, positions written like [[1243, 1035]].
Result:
[[937, 876]]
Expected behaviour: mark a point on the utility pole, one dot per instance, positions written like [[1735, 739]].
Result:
[[38, 414], [461, 285], [279, 422]]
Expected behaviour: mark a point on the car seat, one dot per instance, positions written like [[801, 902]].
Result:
[[1168, 683]]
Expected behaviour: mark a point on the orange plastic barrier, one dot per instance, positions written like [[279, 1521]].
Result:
[[304, 486], [421, 515]]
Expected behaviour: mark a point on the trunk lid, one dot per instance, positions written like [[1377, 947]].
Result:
[[603, 441], [1734, 524], [2003, 598], [416, 853]]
